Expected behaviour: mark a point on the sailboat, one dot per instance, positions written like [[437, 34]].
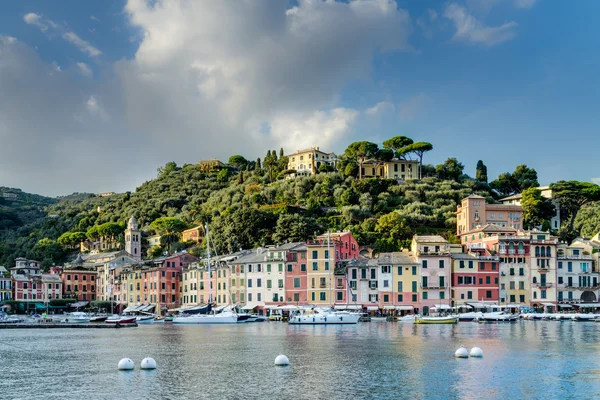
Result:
[[226, 316]]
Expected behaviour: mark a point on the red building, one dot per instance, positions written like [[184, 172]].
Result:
[[30, 285], [78, 282], [295, 274], [161, 282], [475, 278]]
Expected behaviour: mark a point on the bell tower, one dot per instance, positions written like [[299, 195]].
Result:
[[133, 240]]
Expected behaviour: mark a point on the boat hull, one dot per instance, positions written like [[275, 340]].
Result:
[[435, 320], [324, 319], [99, 319], [121, 321], [202, 319]]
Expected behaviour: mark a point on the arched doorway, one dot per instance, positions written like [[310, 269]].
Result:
[[588, 297]]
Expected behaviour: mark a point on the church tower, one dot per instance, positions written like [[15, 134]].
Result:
[[133, 239]]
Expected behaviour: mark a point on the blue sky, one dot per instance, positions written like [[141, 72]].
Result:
[[118, 88]]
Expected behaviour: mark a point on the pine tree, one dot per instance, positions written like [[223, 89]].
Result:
[[481, 172]]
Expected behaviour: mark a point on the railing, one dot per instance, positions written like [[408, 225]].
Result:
[[511, 251], [546, 266], [502, 251], [544, 241], [543, 285], [476, 246], [435, 286], [521, 251], [323, 285], [339, 286], [580, 257]]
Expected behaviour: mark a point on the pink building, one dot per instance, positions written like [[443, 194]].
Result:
[[475, 278], [30, 285], [474, 212], [78, 281], [433, 255], [296, 274], [161, 282]]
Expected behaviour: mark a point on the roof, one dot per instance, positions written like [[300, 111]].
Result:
[[463, 256], [199, 227], [474, 196], [397, 257], [288, 246], [430, 239], [51, 278]]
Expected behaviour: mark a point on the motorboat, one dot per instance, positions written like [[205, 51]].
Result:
[[78, 317], [470, 316], [202, 309], [450, 319], [226, 316], [256, 318], [379, 319], [98, 318], [316, 316], [121, 319], [499, 316], [144, 319], [6, 319], [584, 317]]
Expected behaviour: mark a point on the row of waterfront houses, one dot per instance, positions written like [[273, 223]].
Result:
[[496, 262]]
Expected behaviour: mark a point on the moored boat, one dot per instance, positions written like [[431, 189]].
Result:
[[470, 316], [121, 319], [145, 319], [77, 317], [224, 317], [407, 318], [98, 318], [499, 316], [323, 317], [451, 319]]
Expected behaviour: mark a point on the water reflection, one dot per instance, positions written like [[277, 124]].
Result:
[[371, 360]]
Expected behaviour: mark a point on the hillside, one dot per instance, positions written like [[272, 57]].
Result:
[[251, 203]]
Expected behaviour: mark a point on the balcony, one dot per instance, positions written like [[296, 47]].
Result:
[[323, 285], [543, 241], [339, 286], [511, 251], [544, 285], [434, 287], [521, 252]]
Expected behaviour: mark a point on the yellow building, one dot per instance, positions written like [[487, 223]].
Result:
[[394, 169], [307, 162], [135, 286], [405, 281], [223, 286], [320, 273], [210, 165], [194, 234], [190, 286]]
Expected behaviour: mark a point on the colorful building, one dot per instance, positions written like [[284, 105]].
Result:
[[30, 285], [474, 212], [79, 282], [475, 278], [404, 293], [6, 287], [195, 234], [308, 161], [578, 278], [394, 169], [542, 270], [433, 255]]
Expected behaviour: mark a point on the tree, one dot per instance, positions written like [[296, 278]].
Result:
[[270, 163], [324, 168], [258, 166], [71, 240], [536, 208], [385, 154], [397, 142], [237, 161], [169, 228], [224, 175], [526, 177], [505, 185], [281, 154], [169, 167], [361, 151], [392, 229], [294, 228], [419, 149], [110, 230], [451, 169], [48, 250], [571, 196], [481, 172]]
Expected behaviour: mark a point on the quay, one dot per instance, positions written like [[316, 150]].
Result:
[[64, 325]]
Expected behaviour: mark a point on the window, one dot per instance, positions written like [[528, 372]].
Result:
[[469, 295], [424, 295], [487, 280], [386, 283], [340, 296], [296, 297], [302, 267], [441, 263], [259, 283], [386, 269], [481, 266], [424, 281], [290, 268], [326, 265], [268, 267], [560, 265], [414, 286], [296, 283], [268, 284], [280, 283], [400, 298], [488, 294], [461, 264], [414, 270], [543, 293], [258, 297], [386, 298], [442, 295], [249, 284], [424, 263], [249, 297], [400, 270], [322, 296], [560, 279], [323, 282], [315, 254], [442, 281], [400, 287], [414, 298], [315, 266]]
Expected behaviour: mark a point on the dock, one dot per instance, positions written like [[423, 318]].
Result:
[[65, 325]]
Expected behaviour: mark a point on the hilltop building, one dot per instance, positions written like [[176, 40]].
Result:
[[546, 192], [308, 161], [474, 212]]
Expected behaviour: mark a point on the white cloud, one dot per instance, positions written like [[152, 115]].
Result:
[[596, 180], [232, 67], [380, 108], [525, 3], [432, 14], [83, 45], [413, 106], [39, 21], [470, 29], [94, 18], [84, 69]]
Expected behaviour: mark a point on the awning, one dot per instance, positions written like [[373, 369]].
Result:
[[441, 307], [548, 304], [147, 308], [130, 309], [565, 306], [40, 306], [272, 306], [79, 304], [347, 307], [405, 308], [287, 307], [389, 307], [588, 305], [514, 305], [372, 308], [250, 306]]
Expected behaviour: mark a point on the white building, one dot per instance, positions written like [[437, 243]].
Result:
[[577, 274], [546, 192]]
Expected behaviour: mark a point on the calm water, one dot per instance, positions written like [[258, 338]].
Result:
[[541, 359]]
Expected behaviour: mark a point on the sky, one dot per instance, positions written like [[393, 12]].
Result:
[[95, 96]]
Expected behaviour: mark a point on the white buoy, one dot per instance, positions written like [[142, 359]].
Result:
[[282, 360], [461, 353], [476, 352], [148, 363], [126, 364]]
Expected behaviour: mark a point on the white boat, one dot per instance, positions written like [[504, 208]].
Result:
[[78, 317], [145, 319], [227, 316], [378, 319], [323, 317], [584, 317], [470, 316], [499, 316]]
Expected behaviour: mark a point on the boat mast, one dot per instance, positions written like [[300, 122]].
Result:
[[209, 276]]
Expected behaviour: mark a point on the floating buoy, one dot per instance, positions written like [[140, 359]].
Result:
[[476, 352], [282, 360], [461, 353], [126, 364], [148, 363]]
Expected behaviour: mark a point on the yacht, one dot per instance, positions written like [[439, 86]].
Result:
[[470, 316], [145, 319], [316, 316], [499, 316], [227, 316], [407, 318], [121, 319]]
